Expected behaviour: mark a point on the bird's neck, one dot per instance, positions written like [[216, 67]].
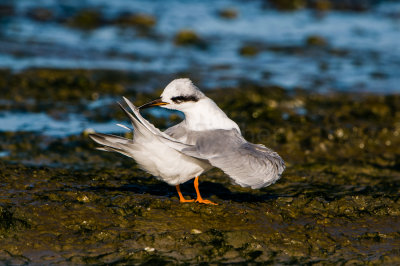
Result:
[[206, 115]]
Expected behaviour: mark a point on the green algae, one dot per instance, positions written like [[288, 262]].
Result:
[[86, 19], [140, 21], [338, 202], [289, 4], [228, 13], [125, 217], [315, 40], [249, 50], [63, 85], [323, 5], [188, 37]]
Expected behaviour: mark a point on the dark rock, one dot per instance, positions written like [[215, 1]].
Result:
[[248, 50], [189, 38], [228, 13], [86, 19], [141, 21]]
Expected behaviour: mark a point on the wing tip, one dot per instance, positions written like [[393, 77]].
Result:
[[95, 136]]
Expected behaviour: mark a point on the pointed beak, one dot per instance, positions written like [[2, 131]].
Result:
[[156, 102]]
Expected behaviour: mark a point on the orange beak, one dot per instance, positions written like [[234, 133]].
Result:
[[156, 102]]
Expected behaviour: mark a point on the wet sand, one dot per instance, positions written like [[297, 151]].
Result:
[[61, 201]]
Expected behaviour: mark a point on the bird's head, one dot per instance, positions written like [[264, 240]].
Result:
[[180, 94]]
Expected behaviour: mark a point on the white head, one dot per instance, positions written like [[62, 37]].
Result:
[[201, 113], [180, 94]]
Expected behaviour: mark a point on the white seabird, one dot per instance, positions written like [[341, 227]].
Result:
[[206, 138]]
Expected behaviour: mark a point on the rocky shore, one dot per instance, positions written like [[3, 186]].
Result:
[[63, 202]]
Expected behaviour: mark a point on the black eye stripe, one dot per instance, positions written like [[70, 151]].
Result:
[[181, 99]]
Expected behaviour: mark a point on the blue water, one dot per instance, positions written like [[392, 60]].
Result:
[[371, 40], [72, 124], [368, 45], [46, 125]]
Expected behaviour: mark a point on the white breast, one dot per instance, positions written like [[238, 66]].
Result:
[[167, 164], [206, 115]]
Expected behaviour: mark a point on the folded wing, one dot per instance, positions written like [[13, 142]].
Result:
[[248, 164]]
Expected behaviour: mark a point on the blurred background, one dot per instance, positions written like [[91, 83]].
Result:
[[99, 50]]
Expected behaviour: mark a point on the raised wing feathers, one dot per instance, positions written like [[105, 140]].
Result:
[[171, 142], [248, 165]]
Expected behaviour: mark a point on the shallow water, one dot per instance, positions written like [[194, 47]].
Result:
[[361, 51], [43, 124]]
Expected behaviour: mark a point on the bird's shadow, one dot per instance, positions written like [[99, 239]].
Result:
[[207, 189]]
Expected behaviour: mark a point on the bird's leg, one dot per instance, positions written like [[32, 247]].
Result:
[[199, 198], [181, 198]]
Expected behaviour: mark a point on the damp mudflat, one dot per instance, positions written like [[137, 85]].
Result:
[[61, 201], [325, 99]]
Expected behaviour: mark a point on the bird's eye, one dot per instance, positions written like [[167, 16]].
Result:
[[182, 99], [177, 99]]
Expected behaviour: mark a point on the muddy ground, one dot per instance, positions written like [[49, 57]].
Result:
[[63, 202]]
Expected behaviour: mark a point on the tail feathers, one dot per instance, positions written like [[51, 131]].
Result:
[[137, 125], [143, 122], [166, 139], [109, 140], [110, 149], [113, 143], [142, 129]]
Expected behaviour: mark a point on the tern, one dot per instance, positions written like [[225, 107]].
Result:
[[206, 138]]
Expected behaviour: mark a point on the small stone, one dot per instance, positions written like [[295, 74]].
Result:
[[248, 50], [149, 249], [88, 131], [238, 239], [144, 21], [228, 13], [195, 231], [83, 198], [86, 19], [231, 254], [188, 37], [315, 40]]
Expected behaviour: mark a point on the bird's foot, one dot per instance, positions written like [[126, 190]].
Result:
[[182, 200], [204, 201], [199, 198]]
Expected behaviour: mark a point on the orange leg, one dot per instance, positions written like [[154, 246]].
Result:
[[199, 198], [181, 198]]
